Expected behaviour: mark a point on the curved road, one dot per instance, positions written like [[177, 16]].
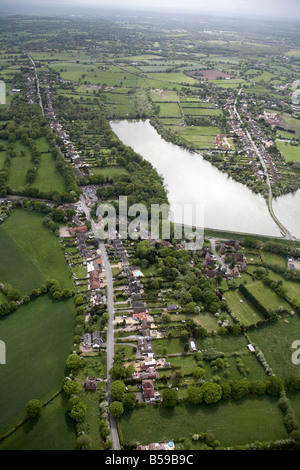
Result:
[[284, 231]]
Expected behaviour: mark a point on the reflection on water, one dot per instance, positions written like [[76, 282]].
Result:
[[190, 179]]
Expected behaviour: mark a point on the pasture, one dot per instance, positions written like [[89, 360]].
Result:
[[32, 253], [38, 338]]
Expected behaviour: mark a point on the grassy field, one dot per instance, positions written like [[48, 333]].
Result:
[[268, 298], [169, 110], [53, 430], [19, 166], [290, 152], [32, 253], [38, 337], [242, 310], [110, 170], [48, 177], [261, 418], [275, 341]]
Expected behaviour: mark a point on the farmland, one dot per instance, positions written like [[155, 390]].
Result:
[[20, 235], [38, 337], [219, 321]]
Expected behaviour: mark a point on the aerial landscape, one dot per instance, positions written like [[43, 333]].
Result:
[[150, 227]]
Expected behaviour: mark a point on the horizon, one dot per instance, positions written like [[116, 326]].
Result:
[[257, 9]]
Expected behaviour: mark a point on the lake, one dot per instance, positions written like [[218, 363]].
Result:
[[227, 204]]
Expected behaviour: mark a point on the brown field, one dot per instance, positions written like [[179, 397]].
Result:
[[212, 74]]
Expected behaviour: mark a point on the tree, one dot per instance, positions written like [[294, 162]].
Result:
[[70, 387], [78, 411], [129, 401], [198, 373], [33, 408], [73, 361], [212, 392], [117, 390], [169, 397], [274, 386], [195, 395], [116, 408], [84, 442], [239, 388], [258, 387], [14, 294]]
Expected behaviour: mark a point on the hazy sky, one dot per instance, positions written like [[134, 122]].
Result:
[[266, 8]]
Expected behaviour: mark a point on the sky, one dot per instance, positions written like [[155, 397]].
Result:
[[260, 8]]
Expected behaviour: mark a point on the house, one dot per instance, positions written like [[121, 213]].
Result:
[[138, 306], [87, 340], [96, 340], [90, 383], [77, 230], [145, 346], [150, 395], [193, 345]]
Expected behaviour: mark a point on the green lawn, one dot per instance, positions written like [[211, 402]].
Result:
[[32, 253], [38, 337], [261, 418]]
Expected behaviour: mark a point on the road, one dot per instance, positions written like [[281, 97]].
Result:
[[283, 230], [37, 85], [110, 329]]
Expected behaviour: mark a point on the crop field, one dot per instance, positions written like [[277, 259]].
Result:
[[163, 95], [200, 136], [169, 110], [190, 111], [38, 337], [23, 265]]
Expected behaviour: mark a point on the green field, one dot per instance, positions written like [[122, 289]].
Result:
[[53, 430], [261, 418], [31, 253], [48, 178], [242, 310], [19, 166], [275, 341], [290, 152], [38, 337], [268, 298]]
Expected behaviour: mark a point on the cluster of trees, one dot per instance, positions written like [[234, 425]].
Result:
[[15, 298], [211, 392], [122, 401], [118, 370]]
